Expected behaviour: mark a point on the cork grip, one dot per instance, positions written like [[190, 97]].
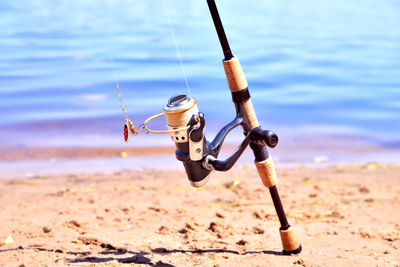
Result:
[[234, 74], [250, 113], [266, 170], [237, 82], [290, 242]]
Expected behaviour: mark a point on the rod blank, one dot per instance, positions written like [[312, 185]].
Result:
[[220, 29]]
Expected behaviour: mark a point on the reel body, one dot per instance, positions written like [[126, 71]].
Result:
[[191, 145]]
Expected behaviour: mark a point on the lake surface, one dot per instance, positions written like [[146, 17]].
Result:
[[315, 69]]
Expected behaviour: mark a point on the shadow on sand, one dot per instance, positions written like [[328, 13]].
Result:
[[132, 256]]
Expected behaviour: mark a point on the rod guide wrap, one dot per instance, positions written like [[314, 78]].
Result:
[[241, 96]]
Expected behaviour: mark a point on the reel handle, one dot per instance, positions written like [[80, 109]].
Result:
[[264, 137]]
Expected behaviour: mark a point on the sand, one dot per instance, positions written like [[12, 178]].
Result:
[[343, 215]]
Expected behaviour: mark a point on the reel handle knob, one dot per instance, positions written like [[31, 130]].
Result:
[[264, 137]]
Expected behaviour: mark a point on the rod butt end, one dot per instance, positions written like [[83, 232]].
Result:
[[296, 251], [290, 243]]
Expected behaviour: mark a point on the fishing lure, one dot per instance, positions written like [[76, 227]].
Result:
[[128, 126]]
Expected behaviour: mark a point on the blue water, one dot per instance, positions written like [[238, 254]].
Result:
[[315, 68]]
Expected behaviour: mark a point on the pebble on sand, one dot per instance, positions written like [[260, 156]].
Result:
[[364, 189], [242, 242], [46, 229]]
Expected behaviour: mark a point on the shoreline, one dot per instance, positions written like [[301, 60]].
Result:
[[45, 161]]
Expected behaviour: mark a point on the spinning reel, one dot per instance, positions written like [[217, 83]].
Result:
[[198, 155]]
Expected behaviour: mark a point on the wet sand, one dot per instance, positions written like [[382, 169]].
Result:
[[343, 215]]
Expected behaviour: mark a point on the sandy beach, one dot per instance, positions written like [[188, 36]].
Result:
[[343, 215]]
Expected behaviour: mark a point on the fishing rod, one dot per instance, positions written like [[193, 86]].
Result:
[[200, 157], [259, 138]]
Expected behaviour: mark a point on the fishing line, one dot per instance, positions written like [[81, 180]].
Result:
[[178, 119], [176, 47], [116, 83], [129, 123]]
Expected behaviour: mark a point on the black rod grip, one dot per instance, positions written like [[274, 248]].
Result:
[[279, 208]]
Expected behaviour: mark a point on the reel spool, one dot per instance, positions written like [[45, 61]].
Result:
[[178, 112]]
